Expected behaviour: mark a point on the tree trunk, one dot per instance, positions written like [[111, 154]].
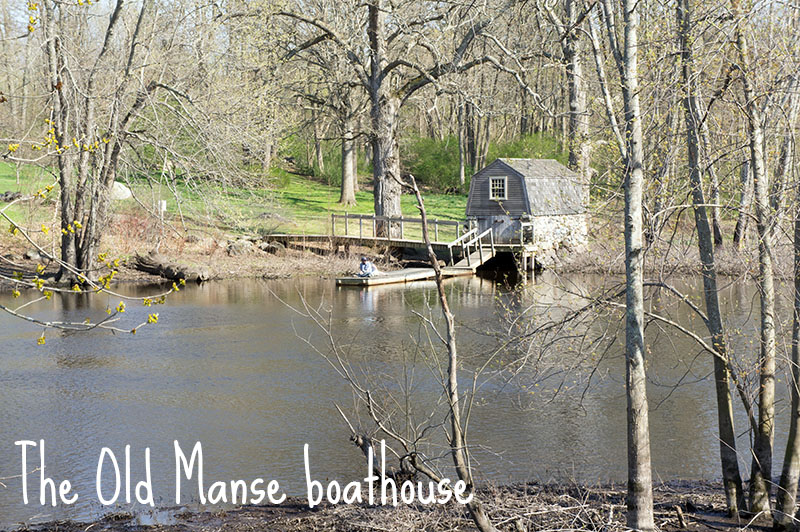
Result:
[[640, 489], [61, 126], [714, 196], [732, 480], [484, 143], [578, 129], [607, 101], [470, 135], [386, 162], [25, 81], [761, 472], [355, 167], [786, 499], [786, 158], [267, 161], [384, 111], [167, 268], [524, 115], [745, 199], [348, 196], [461, 158], [477, 133], [318, 158]]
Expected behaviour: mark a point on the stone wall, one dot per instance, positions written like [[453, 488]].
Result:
[[557, 231]]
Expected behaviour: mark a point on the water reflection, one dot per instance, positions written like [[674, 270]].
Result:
[[225, 366]]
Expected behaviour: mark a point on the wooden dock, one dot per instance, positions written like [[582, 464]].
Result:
[[468, 250], [405, 275], [466, 266]]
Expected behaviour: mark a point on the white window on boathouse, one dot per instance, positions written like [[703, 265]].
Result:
[[497, 188]]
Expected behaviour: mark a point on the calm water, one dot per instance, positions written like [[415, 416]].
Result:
[[225, 366]]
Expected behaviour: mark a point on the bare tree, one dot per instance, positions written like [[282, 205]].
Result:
[[761, 472], [640, 489], [399, 59], [786, 499], [75, 134], [569, 30], [705, 241]]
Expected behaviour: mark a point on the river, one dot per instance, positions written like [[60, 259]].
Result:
[[228, 365]]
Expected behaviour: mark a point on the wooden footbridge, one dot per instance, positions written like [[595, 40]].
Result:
[[462, 247]]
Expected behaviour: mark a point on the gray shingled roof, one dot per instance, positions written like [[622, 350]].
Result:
[[552, 187]]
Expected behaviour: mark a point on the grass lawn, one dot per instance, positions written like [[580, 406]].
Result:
[[31, 179], [295, 204], [309, 204]]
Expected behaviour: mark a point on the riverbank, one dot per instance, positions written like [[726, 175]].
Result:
[[230, 255], [696, 506], [673, 251], [224, 258], [222, 231]]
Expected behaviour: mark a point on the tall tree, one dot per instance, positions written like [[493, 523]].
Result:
[[705, 240], [403, 54], [761, 472], [569, 30], [640, 488], [86, 167], [786, 498]]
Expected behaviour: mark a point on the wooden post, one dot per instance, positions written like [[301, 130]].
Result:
[[401, 229], [360, 227], [346, 228], [333, 224], [374, 230], [436, 230]]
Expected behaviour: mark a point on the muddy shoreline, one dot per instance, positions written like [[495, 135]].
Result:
[[679, 505], [317, 263]]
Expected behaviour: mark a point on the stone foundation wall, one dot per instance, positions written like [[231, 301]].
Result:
[[554, 232]]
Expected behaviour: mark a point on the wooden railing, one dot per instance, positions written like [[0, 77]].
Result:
[[366, 226], [477, 242], [458, 242]]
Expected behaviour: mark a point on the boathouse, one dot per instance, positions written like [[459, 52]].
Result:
[[527, 202]]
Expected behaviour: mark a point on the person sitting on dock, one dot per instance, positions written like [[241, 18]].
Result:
[[367, 268]]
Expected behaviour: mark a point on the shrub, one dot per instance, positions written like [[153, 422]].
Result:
[[433, 162], [535, 146], [295, 147]]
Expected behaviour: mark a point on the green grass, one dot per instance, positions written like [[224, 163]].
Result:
[[29, 180], [283, 203], [309, 205]]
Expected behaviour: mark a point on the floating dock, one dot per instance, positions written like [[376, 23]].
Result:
[[406, 275]]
